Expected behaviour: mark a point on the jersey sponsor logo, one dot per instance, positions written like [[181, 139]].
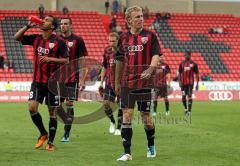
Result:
[[187, 68], [144, 40], [220, 95], [135, 48], [42, 51]]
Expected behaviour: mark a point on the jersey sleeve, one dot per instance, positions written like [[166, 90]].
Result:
[[180, 70], [168, 70], [81, 48], [104, 61], [155, 46], [196, 68], [28, 39]]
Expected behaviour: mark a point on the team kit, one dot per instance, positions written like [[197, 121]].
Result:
[[133, 70]]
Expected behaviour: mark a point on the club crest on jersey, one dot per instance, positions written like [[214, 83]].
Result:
[[144, 40], [51, 45], [70, 44]]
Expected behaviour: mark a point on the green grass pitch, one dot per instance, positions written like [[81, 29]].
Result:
[[212, 138]]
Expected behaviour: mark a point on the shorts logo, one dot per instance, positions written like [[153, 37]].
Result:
[[187, 68], [30, 94], [220, 95], [148, 106], [183, 93]]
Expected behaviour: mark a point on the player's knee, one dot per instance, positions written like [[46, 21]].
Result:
[[146, 119], [106, 105], [127, 116], [52, 111], [32, 108], [69, 104], [166, 99]]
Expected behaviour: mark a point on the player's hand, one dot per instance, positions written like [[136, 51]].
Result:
[[44, 59], [196, 87], [180, 84], [147, 73], [100, 91], [82, 85], [31, 24]]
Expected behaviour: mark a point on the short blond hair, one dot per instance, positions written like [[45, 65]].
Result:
[[113, 34], [130, 10]]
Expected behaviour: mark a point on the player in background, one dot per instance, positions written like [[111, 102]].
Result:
[[163, 82], [186, 70], [77, 52], [136, 61], [49, 53], [107, 75]]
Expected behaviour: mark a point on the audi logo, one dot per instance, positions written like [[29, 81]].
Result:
[[135, 48], [220, 95]]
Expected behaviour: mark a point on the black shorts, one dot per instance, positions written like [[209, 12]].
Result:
[[109, 94], [161, 91], [69, 91], [40, 91], [130, 96], [187, 90]]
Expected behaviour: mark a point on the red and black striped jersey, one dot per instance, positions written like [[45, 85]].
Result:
[[76, 48], [137, 51], [52, 47], [186, 71], [108, 62], [162, 70]]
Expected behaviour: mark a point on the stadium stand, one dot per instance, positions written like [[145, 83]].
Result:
[[218, 55]]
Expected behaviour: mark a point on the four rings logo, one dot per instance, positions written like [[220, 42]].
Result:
[[42, 51], [220, 95], [135, 48]]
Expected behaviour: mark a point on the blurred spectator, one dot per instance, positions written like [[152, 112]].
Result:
[[65, 10], [93, 74], [167, 16], [145, 12], [41, 11], [163, 16], [115, 6], [124, 6], [113, 24], [106, 6], [119, 30], [8, 87], [5, 65], [202, 86], [204, 77], [10, 64], [1, 61], [218, 30]]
